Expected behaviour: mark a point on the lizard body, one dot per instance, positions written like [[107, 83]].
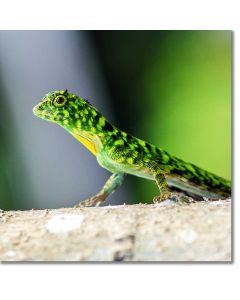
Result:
[[121, 153]]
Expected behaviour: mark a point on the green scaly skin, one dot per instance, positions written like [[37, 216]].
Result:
[[122, 153]]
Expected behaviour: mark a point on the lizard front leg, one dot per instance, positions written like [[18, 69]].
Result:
[[109, 187]]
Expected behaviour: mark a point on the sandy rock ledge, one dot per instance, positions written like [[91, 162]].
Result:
[[195, 232]]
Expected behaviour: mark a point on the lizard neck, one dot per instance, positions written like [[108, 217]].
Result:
[[92, 132], [91, 141]]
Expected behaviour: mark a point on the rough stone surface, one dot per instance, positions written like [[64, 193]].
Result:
[[176, 232]]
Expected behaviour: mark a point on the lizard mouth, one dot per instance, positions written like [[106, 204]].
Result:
[[46, 114], [41, 112]]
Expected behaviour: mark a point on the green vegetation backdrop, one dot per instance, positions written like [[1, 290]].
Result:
[[173, 89]]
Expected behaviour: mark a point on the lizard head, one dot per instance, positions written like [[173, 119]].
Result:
[[69, 111]]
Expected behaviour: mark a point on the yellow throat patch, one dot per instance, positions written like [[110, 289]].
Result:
[[87, 143]]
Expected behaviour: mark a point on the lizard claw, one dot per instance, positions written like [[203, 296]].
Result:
[[91, 202]]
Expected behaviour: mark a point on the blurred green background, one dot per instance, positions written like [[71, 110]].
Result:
[[170, 88]]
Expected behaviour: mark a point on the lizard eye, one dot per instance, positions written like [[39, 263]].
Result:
[[60, 101]]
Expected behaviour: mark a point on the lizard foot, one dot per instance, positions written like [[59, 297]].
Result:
[[93, 201], [174, 198]]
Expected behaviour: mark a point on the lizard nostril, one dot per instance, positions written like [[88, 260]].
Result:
[[37, 108]]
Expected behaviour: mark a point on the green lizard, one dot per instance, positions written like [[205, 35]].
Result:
[[121, 153]]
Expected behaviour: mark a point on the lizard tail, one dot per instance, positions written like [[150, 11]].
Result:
[[199, 179]]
